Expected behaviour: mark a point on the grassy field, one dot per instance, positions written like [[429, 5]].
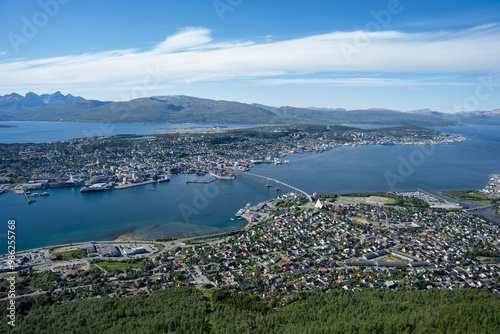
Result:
[[491, 260], [118, 265], [390, 258], [160, 247], [70, 255], [468, 195]]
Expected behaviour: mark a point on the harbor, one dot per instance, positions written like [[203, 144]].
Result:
[[209, 210]]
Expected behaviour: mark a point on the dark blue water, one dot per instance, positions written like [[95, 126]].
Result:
[[464, 165], [149, 211], [40, 132], [179, 209]]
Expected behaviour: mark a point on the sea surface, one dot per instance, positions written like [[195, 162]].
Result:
[[179, 209], [42, 132]]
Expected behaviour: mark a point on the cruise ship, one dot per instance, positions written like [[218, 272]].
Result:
[[91, 189], [164, 179], [240, 212]]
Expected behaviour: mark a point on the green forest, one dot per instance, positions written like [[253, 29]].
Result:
[[187, 310]]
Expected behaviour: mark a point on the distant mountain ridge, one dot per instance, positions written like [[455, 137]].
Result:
[[187, 109], [465, 117], [12, 103]]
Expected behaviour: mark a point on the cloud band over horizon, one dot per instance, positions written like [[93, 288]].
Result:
[[445, 58]]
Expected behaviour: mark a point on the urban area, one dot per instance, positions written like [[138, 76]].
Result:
[[104, 163]]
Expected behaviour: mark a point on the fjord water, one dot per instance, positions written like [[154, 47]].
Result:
[[42, 132], [454, 166], [150, 211], [179, 209]]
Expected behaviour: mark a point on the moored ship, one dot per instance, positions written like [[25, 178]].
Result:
[[240, 212], [91, 189]]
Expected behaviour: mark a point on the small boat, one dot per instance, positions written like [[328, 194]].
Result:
[[35, 194], [45, 194], [277, 188], [232, 218]]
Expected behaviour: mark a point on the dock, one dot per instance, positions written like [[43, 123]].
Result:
[[438, 197], [27, 199]]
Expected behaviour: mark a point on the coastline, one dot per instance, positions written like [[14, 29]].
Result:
[[130, 237], [19, 191], [495, 213], [15, 190], [127, 236]]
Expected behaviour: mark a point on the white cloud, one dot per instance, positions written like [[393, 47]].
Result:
[[363, 82], [191, 55], [187, 38], [2, 53]]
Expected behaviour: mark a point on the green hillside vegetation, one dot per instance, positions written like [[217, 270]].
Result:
[[475, 196], [368, 312], [187, 310], [476, 117], [375, 117], [468, 195], [149, 110], [185, 109], [180, 310]]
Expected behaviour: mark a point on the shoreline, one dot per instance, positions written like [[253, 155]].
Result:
[[6, 188], [11, 188], [459, 201], [127, 236], [130, 237]]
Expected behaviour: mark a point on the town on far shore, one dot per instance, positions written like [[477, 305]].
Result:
[[123, 161]]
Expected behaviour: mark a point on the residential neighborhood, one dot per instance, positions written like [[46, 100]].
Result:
[[296, 247]]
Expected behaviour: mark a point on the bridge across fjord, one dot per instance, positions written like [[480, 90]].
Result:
[[273, 183]]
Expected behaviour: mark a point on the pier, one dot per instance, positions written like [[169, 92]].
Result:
[[279, 186], [27, 199]]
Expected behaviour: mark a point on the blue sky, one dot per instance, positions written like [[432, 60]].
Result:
[[402, 55]]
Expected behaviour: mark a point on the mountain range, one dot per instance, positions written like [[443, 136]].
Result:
[[12, 103], [186, 109]]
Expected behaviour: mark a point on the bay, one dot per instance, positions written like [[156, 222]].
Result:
[[157, 210], [178, 209]]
